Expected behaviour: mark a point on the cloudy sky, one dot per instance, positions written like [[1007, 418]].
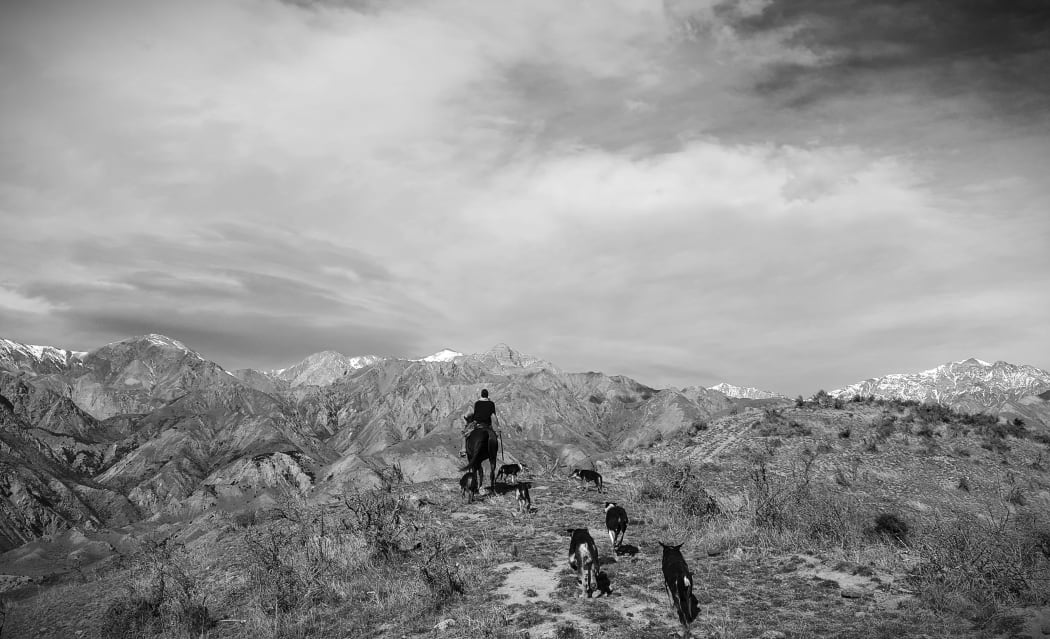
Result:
[[789, 194]]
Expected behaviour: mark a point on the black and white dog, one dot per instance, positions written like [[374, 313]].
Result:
[[468, 485], [583, 558], [510, 470], [679, 584], [616, 521], [588, 476], [524, 500]]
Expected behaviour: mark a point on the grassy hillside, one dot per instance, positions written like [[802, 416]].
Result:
[[874, 519]]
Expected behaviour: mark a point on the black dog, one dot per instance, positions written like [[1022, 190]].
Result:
[[524, 500], [510, 470], [588, 476], [679, 584], [616, 521], [583, 558], [468, 486]]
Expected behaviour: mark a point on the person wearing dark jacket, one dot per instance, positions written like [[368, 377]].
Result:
[[484, 410]]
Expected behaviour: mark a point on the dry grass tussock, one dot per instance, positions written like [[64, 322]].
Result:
[[304, 571], [979, 563]]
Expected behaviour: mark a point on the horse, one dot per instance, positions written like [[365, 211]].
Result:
[[482, 444]]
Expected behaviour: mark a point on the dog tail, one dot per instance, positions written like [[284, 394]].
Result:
[[684, 600]]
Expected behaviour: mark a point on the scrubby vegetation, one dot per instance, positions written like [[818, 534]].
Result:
[[875, 518]]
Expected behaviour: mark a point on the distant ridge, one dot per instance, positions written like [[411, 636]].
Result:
[[31, 357], [743, 392], [321, 369], [970, 384]]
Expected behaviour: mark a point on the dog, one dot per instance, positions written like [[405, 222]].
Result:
[[524, 500], [510, 470], [588, 476], [678, 582], [468, 486], [583, 558], [616, 521]]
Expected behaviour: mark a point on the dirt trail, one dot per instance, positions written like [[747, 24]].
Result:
[[741, 594]]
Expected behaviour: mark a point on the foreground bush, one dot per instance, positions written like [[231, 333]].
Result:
[[976, 567], [162, 596]]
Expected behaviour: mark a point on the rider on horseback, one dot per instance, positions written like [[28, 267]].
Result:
[[483, 415], [481, 439]]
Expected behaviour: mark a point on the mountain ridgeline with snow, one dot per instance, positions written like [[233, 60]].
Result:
[[743, 392], [146, 426], [969, 385]]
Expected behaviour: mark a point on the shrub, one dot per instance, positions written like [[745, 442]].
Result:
[[163, 593], [379, 518], [682, 493], [931, 413], [885, 426], [978, 567], [892, 526], [823, 399]]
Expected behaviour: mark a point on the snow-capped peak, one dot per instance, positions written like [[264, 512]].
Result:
[[444, 355], [971, 384], [742, 392], [16, 351]]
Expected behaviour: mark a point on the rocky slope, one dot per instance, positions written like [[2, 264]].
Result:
[[149, 426], [970, 385], [169, 431], [45, 475], [321, 369]]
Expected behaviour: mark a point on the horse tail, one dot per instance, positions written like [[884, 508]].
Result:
[[475, 461]]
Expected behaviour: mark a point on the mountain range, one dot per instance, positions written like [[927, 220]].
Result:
[[145, 426], [969, 385]]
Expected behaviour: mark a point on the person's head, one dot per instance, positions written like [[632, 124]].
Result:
[[484, 392]]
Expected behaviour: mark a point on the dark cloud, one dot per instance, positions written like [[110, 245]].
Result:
[[997, 50]]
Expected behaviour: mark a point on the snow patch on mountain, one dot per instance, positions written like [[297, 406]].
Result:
[[743, 392], [444, 355], [20, 356], [970, 384], [321, 369], [150, 340]]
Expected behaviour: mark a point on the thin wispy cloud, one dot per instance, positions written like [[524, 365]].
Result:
[[788, 195]]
